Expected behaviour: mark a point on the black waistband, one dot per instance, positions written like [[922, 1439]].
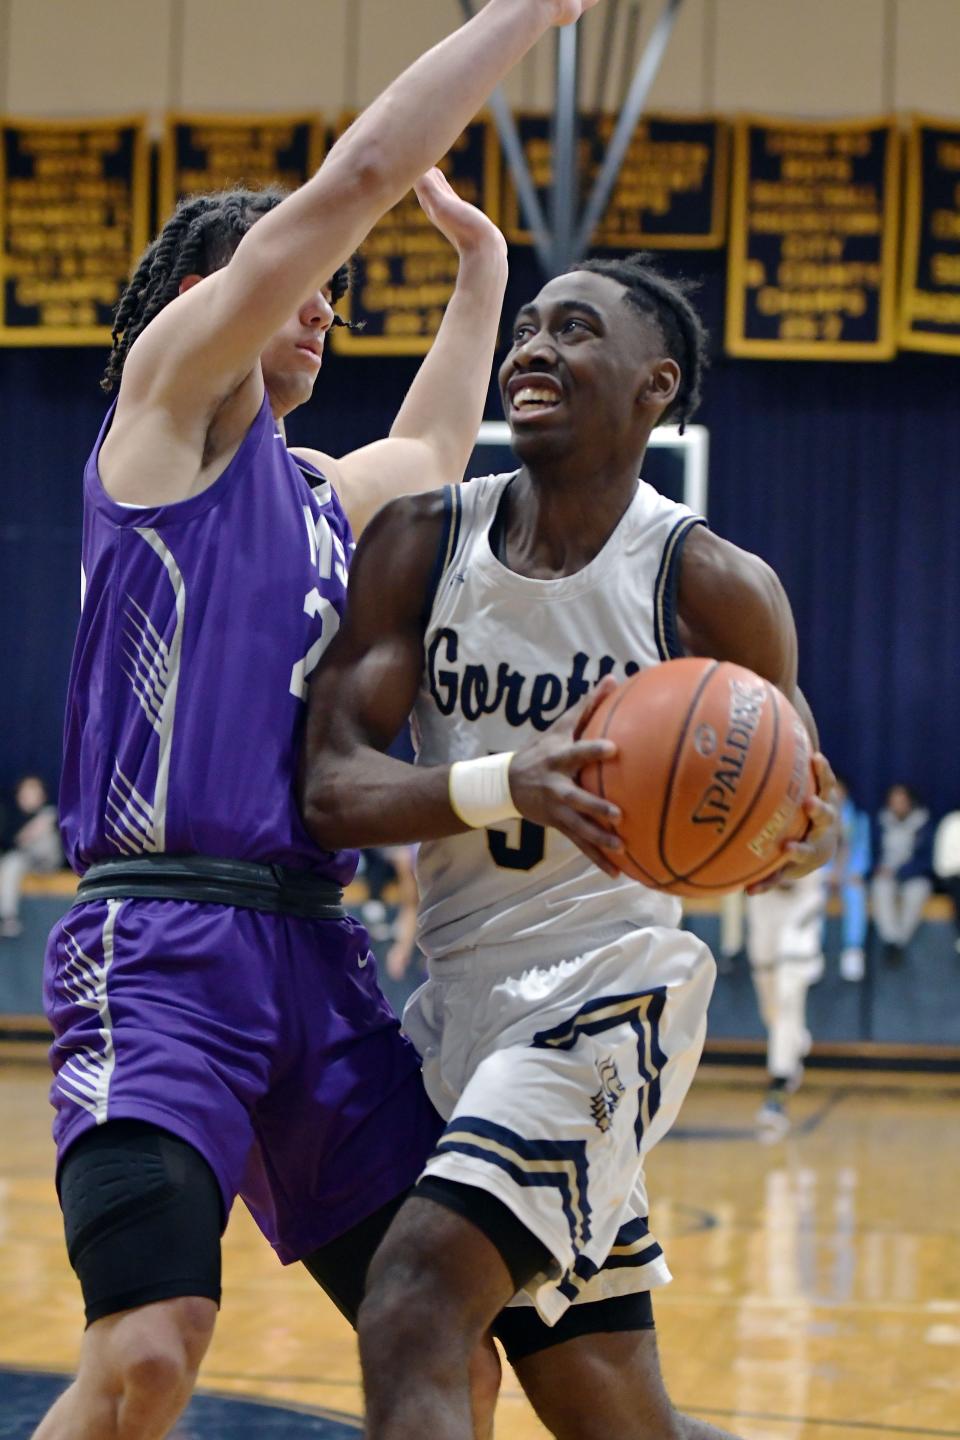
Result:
[[274, 889]]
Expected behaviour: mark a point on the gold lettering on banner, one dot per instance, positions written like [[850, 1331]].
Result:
[[930, 294], [216, 152], [671, 160], [73, 218], [406, 270], [813, 245]]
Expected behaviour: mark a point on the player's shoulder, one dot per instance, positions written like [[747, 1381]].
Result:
[[732, 605], [400, 551], [405, 533], [416, 514], [714, 569]]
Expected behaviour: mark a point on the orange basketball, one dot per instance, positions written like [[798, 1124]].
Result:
[[712, 773]]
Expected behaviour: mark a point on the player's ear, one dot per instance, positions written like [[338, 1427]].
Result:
[[662, 383], [188, 282]]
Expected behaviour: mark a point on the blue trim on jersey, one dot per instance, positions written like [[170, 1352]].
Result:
[[563, 1154], [446, 547], [657, 1059], [631, 1234], [582, 1270], [634, 1261], [633, 1231], [642, 1011], [457, 498], [604, 1013], [666, 587]]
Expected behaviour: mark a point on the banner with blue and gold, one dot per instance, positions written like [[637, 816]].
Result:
[[930, 296], [671, 192], [813, 247], [216, 152], [405, 272], [74, 201]]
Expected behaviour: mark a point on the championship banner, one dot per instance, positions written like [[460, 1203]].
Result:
[[74, 199], [406, 271], [930, 301], [215, 152], [671, 192], [812, 259]]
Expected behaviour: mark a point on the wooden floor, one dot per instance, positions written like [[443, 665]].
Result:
[[817, 1281]]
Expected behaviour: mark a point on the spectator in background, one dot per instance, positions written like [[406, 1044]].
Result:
[[36, 849], [946, 863], [846, 877], [902, 880]]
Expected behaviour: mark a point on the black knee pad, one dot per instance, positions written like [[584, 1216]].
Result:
[[143, 1217]]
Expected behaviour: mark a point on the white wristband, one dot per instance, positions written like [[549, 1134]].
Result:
[[480, 790]]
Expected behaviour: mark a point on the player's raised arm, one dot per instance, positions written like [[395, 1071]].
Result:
[[435, 430], [732, 606], [206, 342], [354, 794]]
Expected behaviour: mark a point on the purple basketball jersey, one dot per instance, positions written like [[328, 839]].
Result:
[[201, 622]]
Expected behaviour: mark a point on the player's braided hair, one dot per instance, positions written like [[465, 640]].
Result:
[[667, 301], [199, 238]]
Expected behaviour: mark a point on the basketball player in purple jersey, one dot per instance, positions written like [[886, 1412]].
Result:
[[565, 1010], [217, 1024]]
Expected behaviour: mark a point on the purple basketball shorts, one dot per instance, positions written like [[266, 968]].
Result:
[[262, 1040]]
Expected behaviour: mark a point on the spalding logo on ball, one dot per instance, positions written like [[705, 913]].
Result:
[[712, 775]]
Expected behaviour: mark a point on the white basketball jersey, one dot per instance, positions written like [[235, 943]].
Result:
[[505, 657]]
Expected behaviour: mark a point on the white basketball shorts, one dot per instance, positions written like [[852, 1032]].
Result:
[[786, 924], [556, 1080]]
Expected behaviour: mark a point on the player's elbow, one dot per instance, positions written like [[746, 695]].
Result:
[[361, 177], [322, 808]]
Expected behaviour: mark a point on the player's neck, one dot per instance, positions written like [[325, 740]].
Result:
[[557, 523]]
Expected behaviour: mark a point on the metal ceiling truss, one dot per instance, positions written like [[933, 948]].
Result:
[[564, 237]]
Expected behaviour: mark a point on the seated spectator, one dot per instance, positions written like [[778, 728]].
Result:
[[902, 880], [846, 877], [36, 849], [946, 863]]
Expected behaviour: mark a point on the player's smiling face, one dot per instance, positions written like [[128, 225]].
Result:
[[581, 358]]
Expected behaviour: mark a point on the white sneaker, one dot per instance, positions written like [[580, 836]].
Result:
[[852, 963], [772, 1121]]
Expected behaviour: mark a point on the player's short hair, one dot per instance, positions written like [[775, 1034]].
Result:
[[667, 302], [200, 237]]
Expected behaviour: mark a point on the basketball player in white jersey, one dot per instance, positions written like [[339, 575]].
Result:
[[565, 1011], [785, 949]]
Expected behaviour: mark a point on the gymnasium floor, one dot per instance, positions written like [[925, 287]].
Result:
[[816, 1292]]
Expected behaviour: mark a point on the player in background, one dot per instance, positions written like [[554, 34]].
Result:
[[785, 950], [217, 1025], [565, 1010]]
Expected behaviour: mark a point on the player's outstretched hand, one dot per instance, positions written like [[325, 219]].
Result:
[[544, 786], [819, 845], [466, 227]]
